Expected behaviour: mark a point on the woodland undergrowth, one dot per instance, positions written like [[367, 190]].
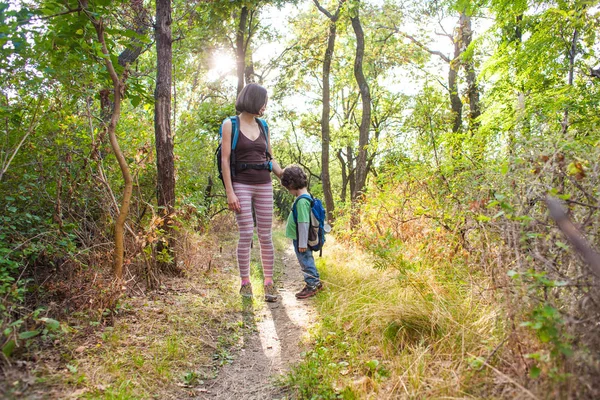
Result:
[[465, 286], [164, 342]]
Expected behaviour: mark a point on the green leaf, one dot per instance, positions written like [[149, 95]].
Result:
[[534, 372], [52, 324], [72, 368], [562, 245], [483, 218], [29, 334], [372, 365], [135, 101], [9, 347]]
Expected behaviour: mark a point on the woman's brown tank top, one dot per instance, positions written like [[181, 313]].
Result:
[[251, 152]]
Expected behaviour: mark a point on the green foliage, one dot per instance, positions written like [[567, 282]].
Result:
[[316, 376]]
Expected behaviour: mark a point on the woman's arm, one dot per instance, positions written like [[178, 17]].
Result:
[[277, 170], [232, 200]]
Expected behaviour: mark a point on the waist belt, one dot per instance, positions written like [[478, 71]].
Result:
[[266, 165]]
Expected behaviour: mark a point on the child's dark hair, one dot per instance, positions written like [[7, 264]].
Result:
[[251, 99], [294, 177]]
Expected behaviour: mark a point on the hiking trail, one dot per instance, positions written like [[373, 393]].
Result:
[[273, 346]]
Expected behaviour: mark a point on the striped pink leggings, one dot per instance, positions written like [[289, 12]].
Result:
[[259, 196]]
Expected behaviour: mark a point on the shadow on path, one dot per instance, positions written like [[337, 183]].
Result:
[[272, 348]]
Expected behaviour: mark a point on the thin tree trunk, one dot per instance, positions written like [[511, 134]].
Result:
[[165, 163], [240, 51], [344, 175], [249, 73], [325, 129], [325, 114], [570, 78], [111, 128], [455, 102], [351, 169], [466, 34], [363, 139]]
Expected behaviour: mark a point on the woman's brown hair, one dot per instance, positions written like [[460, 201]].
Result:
[[251, 99]]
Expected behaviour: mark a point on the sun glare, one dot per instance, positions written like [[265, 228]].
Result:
[[221, 64]]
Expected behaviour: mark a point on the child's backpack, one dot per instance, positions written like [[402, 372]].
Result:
[[235, 134], [316, 228]]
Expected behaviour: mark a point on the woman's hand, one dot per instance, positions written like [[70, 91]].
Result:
[[234, 203], [301, 249]]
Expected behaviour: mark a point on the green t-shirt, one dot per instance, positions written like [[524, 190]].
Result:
[[303, 208]]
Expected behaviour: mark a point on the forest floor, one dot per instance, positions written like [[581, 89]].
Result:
[[195, 337], [422, 328]]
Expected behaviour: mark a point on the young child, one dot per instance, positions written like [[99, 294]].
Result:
[[295, 181]]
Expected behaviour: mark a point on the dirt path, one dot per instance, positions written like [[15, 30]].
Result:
[[273, 347]]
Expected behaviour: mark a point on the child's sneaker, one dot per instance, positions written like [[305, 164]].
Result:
[[270, 293], [309, 291], [246, 290]]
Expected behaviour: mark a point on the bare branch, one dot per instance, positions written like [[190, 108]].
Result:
[[32, 126], [333, 17], [575, 237], [421, 45]]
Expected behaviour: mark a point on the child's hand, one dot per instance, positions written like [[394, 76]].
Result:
[[301, 249]]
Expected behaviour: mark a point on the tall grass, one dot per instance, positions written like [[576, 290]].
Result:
[[421, 331]]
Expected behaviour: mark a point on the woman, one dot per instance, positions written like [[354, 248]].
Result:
[[249, 186]]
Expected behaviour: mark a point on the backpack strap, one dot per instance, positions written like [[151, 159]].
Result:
[[265, 128], [235, 131]]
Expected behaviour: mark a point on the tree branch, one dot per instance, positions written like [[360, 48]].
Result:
[[69, 11], [421, 45], [575, 237], [333, 17]]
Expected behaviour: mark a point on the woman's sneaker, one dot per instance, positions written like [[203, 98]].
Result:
[[309, 291], [271, 293], [246, 290]]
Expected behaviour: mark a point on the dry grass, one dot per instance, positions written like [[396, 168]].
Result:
[[162, 344]]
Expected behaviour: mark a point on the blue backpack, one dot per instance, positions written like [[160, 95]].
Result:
[[235, 134], [316, 228]]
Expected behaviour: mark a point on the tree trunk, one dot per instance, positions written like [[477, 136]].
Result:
[[363, 139], [570, 77], [165, 163], [240, 49], [340, 156], [325, 114], [325, 129], [133, 51], [466, 36], [455, 102], [351, 169], [111, 130], [249, 73]]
